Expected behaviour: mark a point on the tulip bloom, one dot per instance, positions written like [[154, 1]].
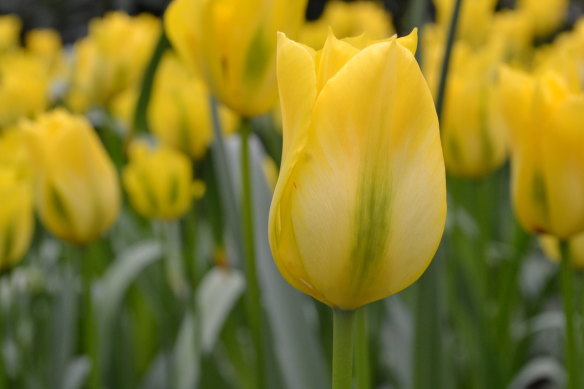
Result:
[[360, 204], [474, 135], [179, 113], [348, 19], [547, 142], [16, 203], [77, 191], [233, 44], [159, 181]]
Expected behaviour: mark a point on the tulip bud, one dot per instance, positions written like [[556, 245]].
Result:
[[111, 58], [546, 16], [474, 135], [16, 213], [10, 26], [159, 181], [348, 19], [179, 113], [551, 248], [77, 192], [24, 88], [547, 146], [233, 44], [360, 204]]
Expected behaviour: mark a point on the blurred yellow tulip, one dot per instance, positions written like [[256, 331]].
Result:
[[159, 181], [545, 16], [179, 113], [474, 21], [16, 216], [10, 26], [24, 88], [474, 135], [16, 203], [551, 247], [547, 142], [348, 19], [233, 44], [46, 45], [360, 204], [110, 59], [77, 190]]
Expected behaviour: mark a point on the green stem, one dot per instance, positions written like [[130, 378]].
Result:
[[253, 303], [568, 302], [140, 114], [343, 334], [446, 58], [89, 338], [362, 363]]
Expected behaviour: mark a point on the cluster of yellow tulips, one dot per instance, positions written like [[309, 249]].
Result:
[[231, 139]]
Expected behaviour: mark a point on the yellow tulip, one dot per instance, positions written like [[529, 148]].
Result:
[[545, 122], [179, 113], [159, 181], [474, 21], [360, 204], [551, 248], [24, 88], [16, 204], [474, 135], [46, 45], [10, 26], [110, 59], [348, 19], [233, 43], [77, 190], [546, 16], [16, 216]]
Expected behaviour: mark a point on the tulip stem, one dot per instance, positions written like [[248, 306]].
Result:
[[89, 329], [568, 302], [343, 334], [446, 58], [253, 304]]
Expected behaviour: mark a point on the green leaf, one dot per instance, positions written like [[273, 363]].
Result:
[[216, 297]]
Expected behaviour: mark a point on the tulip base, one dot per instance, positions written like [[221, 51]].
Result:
[[343, 335]]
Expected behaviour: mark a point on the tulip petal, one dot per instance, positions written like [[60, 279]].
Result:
[[297, 85]]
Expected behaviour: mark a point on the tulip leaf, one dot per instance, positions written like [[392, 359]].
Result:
[[110, 290], [216, 296], [538, 370], [76, 373], [186, 355], [296, 345]]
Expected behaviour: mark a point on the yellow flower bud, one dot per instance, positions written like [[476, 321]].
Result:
[[348, 19], [77, 190], [10, 26], [474, 21], [547, 142], [233, 44], [159, 181], [23, 88], [360, 204], [46, 45], [474, 135], [179, 113], [545, 15], [111, 58], [551, 248], [16, 213]]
